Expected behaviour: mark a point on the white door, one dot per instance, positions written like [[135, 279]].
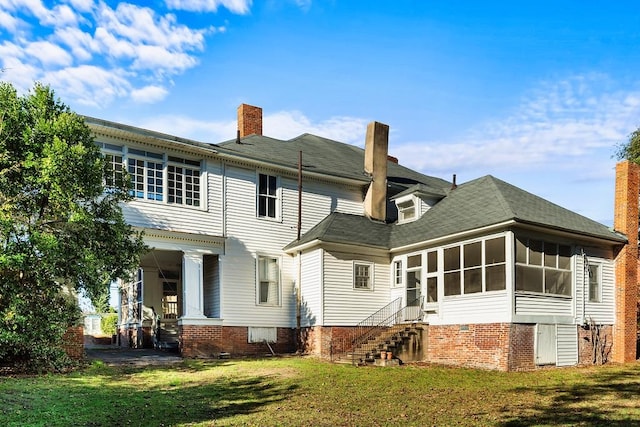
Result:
[[545, 346]]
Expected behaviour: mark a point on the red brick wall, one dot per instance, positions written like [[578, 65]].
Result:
[[521, 347], [209, 341], [73, 342], [626, 287], [324, 341], [585, 343], [249, 120], [479, 346]]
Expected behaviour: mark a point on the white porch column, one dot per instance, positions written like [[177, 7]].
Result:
[[192, 298]]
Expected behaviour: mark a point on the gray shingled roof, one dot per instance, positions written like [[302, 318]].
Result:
[[479, 203], [323, 155]]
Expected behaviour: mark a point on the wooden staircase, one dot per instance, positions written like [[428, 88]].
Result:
[[392, 339]]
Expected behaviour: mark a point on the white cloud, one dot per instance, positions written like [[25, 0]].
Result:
[[90, 85], [570, 118], [240, 7], [9, 22], [289, 124], [48, 54], [137, 49], [149, 94]]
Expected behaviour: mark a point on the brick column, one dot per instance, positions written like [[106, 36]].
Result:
[[626, 286]]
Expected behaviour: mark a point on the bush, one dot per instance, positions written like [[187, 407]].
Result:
[[109, 323]]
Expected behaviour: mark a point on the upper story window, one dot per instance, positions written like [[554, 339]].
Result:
[[183, 181], [146, 171], [113, 156], [154, 176], [267, 196], [408, 208], [406, 211], [543, 267]]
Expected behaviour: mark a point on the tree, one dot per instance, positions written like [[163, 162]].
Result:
[[61, 230], [630, 150]]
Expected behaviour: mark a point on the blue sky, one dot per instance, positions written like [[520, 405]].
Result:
[[535, 93]]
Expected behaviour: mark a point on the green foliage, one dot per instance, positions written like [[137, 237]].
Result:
[[109, 323], [59, 228], [630, 150]]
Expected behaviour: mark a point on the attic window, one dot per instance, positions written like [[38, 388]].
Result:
[[406, 210]]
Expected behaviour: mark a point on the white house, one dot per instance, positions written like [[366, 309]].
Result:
[[314, 245]]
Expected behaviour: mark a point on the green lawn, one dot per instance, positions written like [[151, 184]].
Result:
[[305, 392]]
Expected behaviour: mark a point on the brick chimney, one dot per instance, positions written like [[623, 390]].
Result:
[[375, 164], [626, 262], [249, 120]]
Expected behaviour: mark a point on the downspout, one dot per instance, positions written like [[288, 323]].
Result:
[[299, 274], [585, 280]]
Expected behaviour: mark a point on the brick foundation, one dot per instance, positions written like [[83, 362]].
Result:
[[521, 347], [585, 344], [324, 341], [483, 346], [210, 341], [73, 342]]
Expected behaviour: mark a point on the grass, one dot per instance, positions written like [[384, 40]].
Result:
[[302, 391]]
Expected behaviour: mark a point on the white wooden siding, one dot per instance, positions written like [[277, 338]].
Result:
[[345, 305], [311, 289], [172, 217], [248, 235], [543, 305], [211, 286], [490, 307], [567, 346], [602, 312]]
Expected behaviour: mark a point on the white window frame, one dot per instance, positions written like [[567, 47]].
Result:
[[398, 274], [370, 278], [259, 281], [598, 296], [126, 153], [183, 184], [277, 197], [408, 205]]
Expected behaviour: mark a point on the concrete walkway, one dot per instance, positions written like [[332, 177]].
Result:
[[119, 356]]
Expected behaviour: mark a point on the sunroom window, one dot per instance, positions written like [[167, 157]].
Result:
[[543, 267]]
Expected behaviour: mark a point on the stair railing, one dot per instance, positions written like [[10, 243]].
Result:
[[383, 319]]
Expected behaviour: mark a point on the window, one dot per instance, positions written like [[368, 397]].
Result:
[[414, 279], [268, 281], [148, 171], [183, 181], [267, 196], [406, 211], [397, 273], [543, 267], [432, 276], [495, 269], [452, 271], [362, 276], [595, 279], [475, 267]]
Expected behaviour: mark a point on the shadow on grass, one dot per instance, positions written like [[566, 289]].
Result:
[[106, 396], [609, 398]]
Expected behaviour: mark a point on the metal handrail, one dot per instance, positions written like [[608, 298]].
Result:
[[370, 327]]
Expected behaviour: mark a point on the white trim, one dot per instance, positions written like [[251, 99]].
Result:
[[371, 270], [278, 258]]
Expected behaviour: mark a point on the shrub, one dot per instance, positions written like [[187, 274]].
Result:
[[109, 323]]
